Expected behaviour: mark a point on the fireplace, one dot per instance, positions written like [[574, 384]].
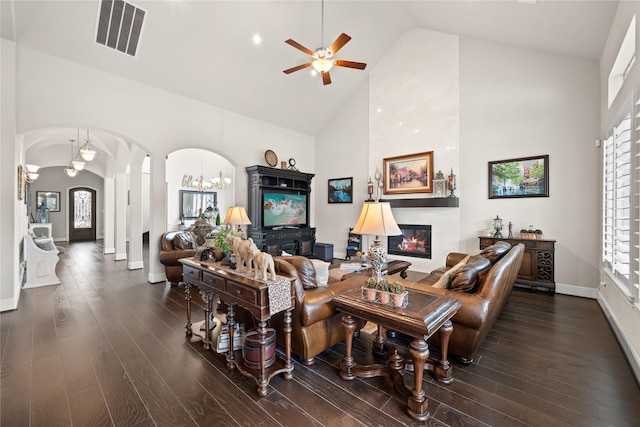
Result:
[[415, 241]]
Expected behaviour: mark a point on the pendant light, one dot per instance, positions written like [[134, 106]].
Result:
[[70, 170], [87, 151], [77, 162]]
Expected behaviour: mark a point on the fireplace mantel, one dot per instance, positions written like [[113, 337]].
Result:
[[425, 202]]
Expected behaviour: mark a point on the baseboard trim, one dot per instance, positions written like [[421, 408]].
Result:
[[108, 251], [121, 257], [135, 265], [576, 291], [156, 277], [632, 357], [9, 304]]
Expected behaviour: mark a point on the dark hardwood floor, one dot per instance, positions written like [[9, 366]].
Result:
[[108, 348]]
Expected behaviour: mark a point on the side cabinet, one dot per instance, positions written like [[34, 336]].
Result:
[[537, 269]]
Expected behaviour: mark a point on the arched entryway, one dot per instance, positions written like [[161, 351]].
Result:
[[82, 214]]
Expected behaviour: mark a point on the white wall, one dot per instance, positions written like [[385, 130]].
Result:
[[518, 103]]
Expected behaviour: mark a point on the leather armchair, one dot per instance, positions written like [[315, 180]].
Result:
[[316, 324], [173, 246]]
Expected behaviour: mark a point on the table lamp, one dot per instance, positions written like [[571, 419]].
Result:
[[237, 215], [377, 220]]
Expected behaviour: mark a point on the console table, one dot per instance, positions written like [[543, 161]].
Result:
[[253, 295], [537, 269]]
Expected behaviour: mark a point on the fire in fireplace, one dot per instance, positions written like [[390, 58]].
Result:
[[415, 241]]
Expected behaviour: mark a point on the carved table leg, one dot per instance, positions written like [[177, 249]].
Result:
[[403, 273], [207, 299], [187, 297], [262, 379], [417, 404], [287, 344], [348, 362], [231, 321], [443, 370], [379, 341]]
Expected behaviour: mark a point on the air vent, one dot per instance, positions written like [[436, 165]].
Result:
[[120, 26]]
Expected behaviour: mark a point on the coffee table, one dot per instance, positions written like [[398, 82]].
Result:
[[426, 313]]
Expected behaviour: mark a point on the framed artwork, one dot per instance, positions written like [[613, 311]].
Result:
[[340, 190], [522, 177], [51, 200], [412, 173]]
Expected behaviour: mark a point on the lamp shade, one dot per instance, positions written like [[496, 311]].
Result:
[[236, 215], [377, 219]]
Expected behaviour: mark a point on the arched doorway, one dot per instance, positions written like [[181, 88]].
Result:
[[82, 214]]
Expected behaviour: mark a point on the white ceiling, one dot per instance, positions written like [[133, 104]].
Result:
[[203, 49]]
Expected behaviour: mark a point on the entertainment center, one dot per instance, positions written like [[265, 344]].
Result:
[[279, 210]]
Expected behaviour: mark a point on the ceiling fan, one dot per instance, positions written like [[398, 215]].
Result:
[[323, 58]]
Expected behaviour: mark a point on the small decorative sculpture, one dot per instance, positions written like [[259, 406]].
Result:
[[264, 268], [244, 250], [510, 230]]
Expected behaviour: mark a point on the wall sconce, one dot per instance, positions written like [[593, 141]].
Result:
[[32, 173]]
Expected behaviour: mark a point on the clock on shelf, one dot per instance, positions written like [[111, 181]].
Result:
[[292, 164]]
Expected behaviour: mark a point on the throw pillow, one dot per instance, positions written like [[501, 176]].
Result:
[[45, 244], [41, 231], [495, 251], [464, 278], [322, 271], [182, 241], [445, 279]]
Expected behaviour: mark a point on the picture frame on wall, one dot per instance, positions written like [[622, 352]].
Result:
[[520, 177], [412, 173], [51, 200], [340, 190]]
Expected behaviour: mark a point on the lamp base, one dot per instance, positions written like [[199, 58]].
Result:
[[377, 256]]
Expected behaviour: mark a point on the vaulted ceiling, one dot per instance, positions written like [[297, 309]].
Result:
[[204, 50]]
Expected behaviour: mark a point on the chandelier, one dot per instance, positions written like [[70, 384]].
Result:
[[85, 154], [71, 170], [87, 151], [201, 184]]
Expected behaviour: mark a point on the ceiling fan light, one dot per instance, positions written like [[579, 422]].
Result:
[[322, 65]]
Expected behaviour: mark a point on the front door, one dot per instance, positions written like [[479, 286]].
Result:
[[82, 214]]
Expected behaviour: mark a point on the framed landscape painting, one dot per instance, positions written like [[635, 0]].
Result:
[[522, 177], [412, 173], [341, 190]]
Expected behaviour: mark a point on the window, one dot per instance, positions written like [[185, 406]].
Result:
[[625, 59], [620, 237]]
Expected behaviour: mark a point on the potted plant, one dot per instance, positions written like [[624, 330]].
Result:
[[523, 233], [398, 293], [538, 234], [370, 289], [383, 291], [221, 243], [531, 234]]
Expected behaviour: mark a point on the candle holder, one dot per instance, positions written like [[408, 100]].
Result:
[[370, 190], [497, 225], [378, 184], [452, 183]]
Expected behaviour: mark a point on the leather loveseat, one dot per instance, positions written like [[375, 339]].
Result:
[[316, 324], [483, 283], [173, 246]]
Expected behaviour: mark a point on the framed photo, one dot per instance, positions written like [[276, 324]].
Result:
[[340, 190], [51, 200], [522, 177], [412, 173]]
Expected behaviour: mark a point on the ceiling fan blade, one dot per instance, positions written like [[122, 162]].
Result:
[[299, 67], [349, 64], [326, 78], [340, 41], [299, 46]]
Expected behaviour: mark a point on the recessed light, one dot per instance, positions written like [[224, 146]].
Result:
[[257, 39]]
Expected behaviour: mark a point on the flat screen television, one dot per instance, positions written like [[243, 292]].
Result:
[[284, 210]]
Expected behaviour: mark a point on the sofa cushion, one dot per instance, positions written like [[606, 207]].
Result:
[[46, 244], [182, 241], [445, 278], [464, 278], [305, 269], [496, 251]]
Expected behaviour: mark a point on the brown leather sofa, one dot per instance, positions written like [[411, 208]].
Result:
[[316, 324], [483, 283], [173, 246]]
